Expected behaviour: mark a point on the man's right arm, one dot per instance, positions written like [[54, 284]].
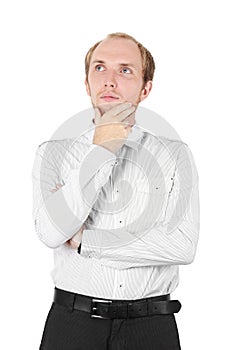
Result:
[[59, 213]]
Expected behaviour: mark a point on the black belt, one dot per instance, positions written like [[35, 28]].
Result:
[[104, 308]]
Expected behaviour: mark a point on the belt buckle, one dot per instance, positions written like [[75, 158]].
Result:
[[94, 308]]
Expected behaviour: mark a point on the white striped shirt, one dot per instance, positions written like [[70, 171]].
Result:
[[140, 208]]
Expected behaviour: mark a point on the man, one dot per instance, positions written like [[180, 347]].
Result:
[[120, 208]]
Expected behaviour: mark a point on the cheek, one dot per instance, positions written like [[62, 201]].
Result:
[[132, 91], [94, 84], [89, 89]]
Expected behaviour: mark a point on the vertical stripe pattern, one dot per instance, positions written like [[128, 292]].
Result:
[[139, 208]]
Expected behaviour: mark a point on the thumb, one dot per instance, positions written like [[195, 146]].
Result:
[[128, 130], [97, 115]]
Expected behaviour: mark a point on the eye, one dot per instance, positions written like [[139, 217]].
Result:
[[99, 68], [126, 70]]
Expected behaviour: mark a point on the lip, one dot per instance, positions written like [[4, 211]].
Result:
[[109, 97]]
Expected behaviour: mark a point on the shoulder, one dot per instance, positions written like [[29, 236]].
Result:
[[56, 143], [68, 149], [63, 144], [171, 144], [54, 147]]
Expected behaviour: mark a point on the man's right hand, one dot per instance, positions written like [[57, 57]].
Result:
[[114, 126]]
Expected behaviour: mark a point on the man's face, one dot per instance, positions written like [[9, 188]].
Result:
[[115, 74]]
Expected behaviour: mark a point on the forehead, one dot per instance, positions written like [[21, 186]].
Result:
[[118, 50]]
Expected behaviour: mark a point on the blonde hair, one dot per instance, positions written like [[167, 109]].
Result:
[[148, 64]]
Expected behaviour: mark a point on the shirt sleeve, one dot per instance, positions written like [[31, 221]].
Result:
[[172, 241], [59, 214]]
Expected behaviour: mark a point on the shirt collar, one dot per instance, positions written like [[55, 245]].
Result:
[[133, 140]]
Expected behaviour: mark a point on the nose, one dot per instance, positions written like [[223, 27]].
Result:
[[110, 84], [110, 79]]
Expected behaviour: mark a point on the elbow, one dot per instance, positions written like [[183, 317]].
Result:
[[51, 241], [189, 255], [48, 242], [188, 260], [189, 248]]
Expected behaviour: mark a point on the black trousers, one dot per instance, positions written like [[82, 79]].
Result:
[[76, 330]]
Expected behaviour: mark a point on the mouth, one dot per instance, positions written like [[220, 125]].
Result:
[[109, 98]]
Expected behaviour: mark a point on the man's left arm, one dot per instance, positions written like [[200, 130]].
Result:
[[170, 242]]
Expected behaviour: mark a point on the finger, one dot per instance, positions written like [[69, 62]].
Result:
[[97, 115], [128, 125], [128, 131], [57, 187], [71, 243], [130, 119], [125, 114], [116, 110], [109, 119]]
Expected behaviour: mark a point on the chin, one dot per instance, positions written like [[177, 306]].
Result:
[[106, 106]]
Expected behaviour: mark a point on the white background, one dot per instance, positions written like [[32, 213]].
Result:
[[43, 44]]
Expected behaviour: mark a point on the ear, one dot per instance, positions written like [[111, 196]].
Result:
[[146, 90], [87, 87]]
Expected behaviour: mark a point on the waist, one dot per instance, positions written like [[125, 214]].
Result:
[[91, 277], [116, 308]]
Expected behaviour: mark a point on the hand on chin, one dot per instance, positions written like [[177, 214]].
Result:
[[106, 106]]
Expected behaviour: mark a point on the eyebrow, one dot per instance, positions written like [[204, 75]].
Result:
[[97, 61], [120, 64]]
